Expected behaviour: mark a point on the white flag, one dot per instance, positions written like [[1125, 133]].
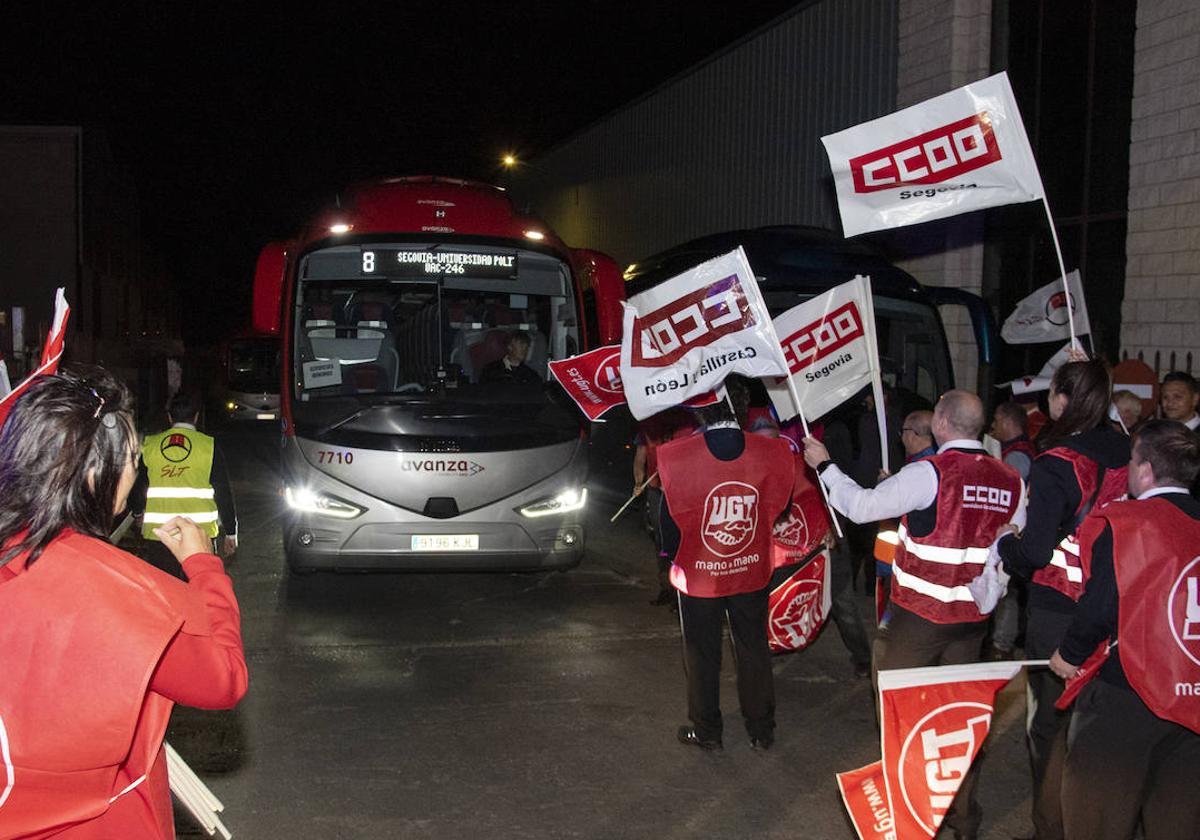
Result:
[[829, 348], [961, 151], [684, 336], [1041, 382], [1043, 315]]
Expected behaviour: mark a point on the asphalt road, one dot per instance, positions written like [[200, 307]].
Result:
[[516, 706]]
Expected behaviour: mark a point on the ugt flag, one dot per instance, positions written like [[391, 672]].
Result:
[[964, 150], [1042, 316], [932, 723], [51, 353], [829, 346], [684, 336], [592, 380]]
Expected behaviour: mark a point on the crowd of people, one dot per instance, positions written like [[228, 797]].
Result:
[[1088, 511]]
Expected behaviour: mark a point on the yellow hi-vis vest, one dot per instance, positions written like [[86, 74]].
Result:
[[179, 464]]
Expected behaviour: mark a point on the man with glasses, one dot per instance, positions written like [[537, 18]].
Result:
[[917, 436]]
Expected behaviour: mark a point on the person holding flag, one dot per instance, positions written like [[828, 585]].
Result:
[[951, 504], [723, 492], [1082, 467], [1133, 750]]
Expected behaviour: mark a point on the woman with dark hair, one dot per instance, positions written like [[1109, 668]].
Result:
[[95, 645], [1083, 465]]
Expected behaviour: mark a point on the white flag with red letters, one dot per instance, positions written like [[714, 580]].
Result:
[[51, 353], [684, 336], [961, 151], [1042, 316], [932, 723]]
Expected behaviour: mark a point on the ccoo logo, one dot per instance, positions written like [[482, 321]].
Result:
[[1183, 610], [608, 374], [1056, 309], [730, 518], [936, 756]]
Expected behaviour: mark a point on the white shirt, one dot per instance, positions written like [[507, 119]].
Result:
[[913, 488], [1158, 491]]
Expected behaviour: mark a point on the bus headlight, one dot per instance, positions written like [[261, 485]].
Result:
[[565, 502], [310, 501], [232, 406]]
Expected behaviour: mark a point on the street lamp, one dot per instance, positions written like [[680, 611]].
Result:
[[509, 161]]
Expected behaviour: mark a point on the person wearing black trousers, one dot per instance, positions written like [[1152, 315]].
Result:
[[1079, 452], [1133, 747]]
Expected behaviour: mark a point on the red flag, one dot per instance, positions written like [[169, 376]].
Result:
[[798, 605], [51, 353], [933, 722], [593, 381], [865, 794]]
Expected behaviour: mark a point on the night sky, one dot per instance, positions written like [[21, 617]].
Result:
[[237, 120]]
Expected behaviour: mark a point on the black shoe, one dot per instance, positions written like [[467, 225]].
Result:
[[761, 742], [687, 735]]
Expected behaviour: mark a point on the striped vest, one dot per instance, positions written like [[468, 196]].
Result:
[[179, 463], [977, 494]]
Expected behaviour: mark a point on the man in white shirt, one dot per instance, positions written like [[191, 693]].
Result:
[[1179, 397], [951, 504]]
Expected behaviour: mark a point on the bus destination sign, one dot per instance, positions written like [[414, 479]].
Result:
[[396, 262]]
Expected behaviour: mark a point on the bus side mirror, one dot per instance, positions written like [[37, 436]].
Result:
[[600, 274], [268, 289]]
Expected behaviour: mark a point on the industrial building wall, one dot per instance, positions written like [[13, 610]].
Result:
[[733, 142]]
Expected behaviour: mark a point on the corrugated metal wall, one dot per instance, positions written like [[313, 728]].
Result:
[[733, 142]]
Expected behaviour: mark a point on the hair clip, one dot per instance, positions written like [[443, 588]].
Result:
[[100, 407]]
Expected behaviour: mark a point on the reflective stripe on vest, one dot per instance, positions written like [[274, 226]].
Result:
[[1066, 559], [179, 466], [940, 554]]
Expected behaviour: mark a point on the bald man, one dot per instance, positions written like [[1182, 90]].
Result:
[[948, 503], [917, 436]]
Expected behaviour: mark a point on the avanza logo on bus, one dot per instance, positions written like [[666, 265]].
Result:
[[930, 158], [697, 319]]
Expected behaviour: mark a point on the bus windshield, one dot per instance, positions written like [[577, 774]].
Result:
[[426, 327], [254, 366]]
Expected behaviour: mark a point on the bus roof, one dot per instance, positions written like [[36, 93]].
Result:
[[429, 207], [806, 260]]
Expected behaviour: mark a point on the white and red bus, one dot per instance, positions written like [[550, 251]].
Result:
[[407, 441]]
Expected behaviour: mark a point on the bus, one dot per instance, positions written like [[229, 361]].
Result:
[[251, 378], [410, 439]]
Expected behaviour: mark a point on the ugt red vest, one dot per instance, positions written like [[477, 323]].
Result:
[[84, 627], [806, 524], [1156, 558], [1066, 572], [977, 494], [724, 510], [1020, 444]]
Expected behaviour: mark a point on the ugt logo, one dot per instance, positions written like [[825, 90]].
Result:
[[730, 518], [1183, 610], [1056, 308], [813, 342], [796, 616], [608, 374], [694, 320], [793, 531], [930, 158], [936, 756]]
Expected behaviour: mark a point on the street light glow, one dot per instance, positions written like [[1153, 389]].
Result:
[[509, 160]]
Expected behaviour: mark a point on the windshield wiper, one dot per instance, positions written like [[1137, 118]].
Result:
[[337, 424]]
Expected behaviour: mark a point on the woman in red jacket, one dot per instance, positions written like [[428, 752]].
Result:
[[96, 646]]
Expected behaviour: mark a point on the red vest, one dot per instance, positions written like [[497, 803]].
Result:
[[976, 495], [1021, 444], [805, 525], [84, 628], [1156, 558], [1066, 572], [724, 510]]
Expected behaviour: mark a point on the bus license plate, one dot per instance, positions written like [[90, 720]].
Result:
[[264, 417], [445, 542]]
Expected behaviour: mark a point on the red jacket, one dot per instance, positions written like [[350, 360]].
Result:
[[91, 636], [725, 511]]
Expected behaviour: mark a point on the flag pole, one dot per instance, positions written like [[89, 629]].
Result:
[[1062, 267]]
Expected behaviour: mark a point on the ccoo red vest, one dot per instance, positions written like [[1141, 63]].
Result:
[[724, 510], [805, 525], [976, 495], [84, 628], [1066, 572], [1156, 558]]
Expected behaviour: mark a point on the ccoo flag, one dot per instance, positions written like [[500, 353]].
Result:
[[51, 353], [932, 723], [961, 151], [1042, 316], [684, 336]]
